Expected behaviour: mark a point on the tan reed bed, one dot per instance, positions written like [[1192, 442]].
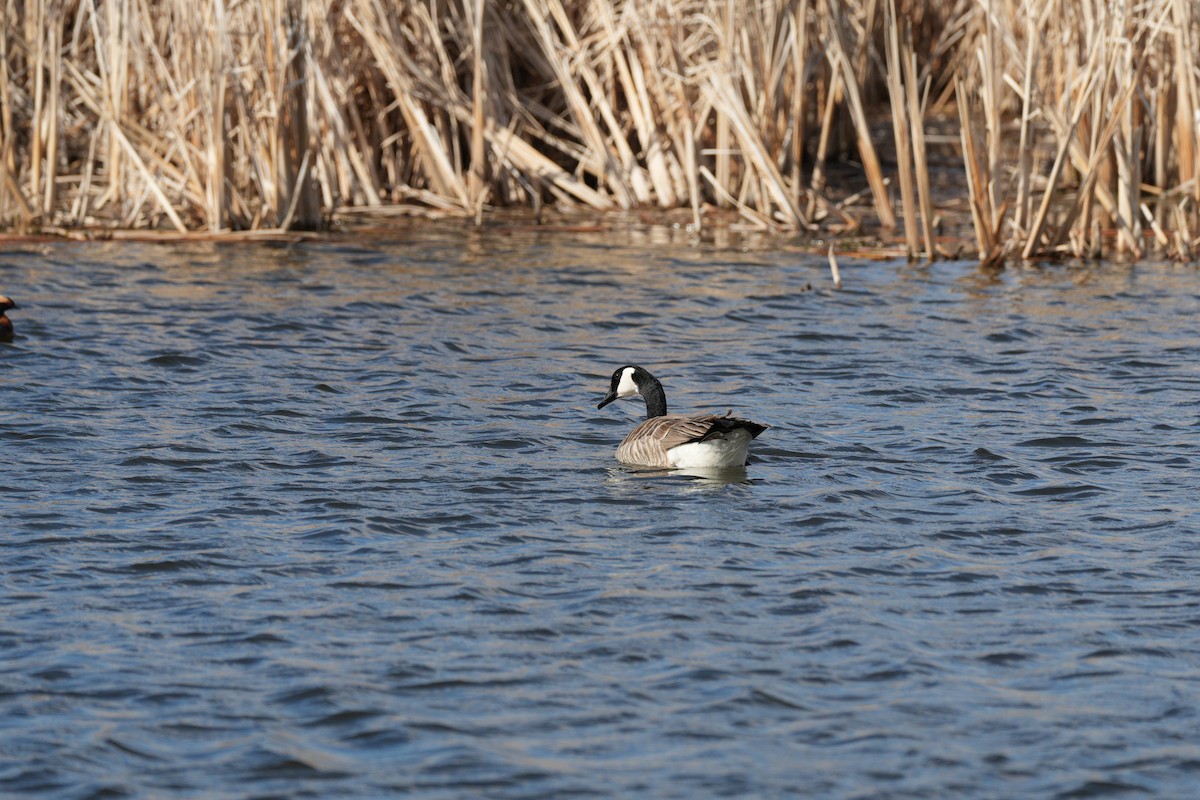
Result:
[[1075, 120]]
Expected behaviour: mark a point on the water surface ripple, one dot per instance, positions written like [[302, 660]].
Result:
[[341, 519]]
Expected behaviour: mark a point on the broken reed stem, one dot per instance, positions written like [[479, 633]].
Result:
[[276, 113], [834, 272]]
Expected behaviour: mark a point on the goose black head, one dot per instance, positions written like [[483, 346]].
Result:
[[626, 382], [631, 380]]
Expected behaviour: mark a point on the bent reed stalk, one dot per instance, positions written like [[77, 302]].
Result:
[[1072, 126]]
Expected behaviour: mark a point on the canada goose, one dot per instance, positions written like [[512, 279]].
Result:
[[677, 440], [6, 328]]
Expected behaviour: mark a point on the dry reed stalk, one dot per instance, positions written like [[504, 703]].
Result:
[[901, 127], [988, 205], [916, 117], [1040, 219], [260, 113], [214, 185], [90, 94], [347, 142], [1183, 239], [613, 172], [6, 140], [1185, 18], [36, 144], [1127, 139], [1101, 144], [817, 184], [1033, 30], [976, 179], [371, 19], [841, 64], [1161, 133], [523, 157], [80, 209], [994, 127], [112, 65], [798, 24], [644, 98], [751, 214], [151, 185], [754, 149], [682, 120], [1159, 235], [724, 150], [475, 189], [54, 47], [238, 125], [9, 179]]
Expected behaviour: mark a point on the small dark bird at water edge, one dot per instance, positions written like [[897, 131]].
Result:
[[6, 326]]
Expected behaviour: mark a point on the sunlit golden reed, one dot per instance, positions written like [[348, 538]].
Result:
[[1074, 122]]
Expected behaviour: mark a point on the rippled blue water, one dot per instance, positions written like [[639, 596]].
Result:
[[342, 520]]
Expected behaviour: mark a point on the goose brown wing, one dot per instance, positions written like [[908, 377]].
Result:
[[673, 430], [677, 429], [649, 442]]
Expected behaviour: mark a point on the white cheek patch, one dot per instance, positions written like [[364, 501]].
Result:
[[627, 388]]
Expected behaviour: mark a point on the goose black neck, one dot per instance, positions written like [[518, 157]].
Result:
[[656, 399]]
